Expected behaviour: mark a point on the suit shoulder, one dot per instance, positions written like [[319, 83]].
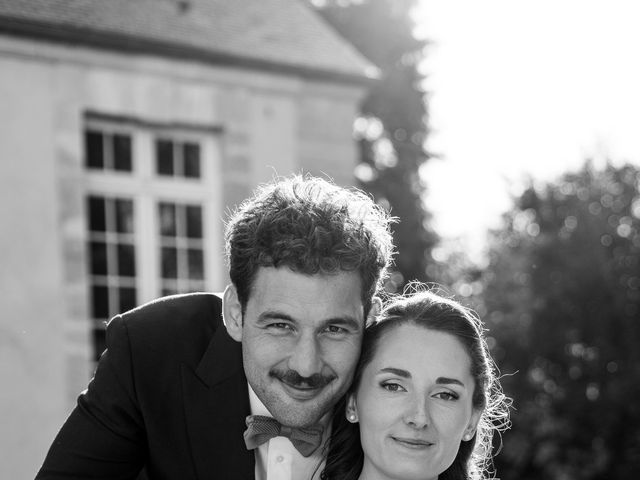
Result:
[[184, 322]]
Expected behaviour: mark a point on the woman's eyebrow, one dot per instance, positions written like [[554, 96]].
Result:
[[449, 381], [396, 371], [405, 374]]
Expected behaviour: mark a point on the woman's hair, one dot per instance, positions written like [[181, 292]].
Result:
[[312, 227], [431, 311]]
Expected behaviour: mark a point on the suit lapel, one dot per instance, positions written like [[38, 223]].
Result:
[[216, 402]]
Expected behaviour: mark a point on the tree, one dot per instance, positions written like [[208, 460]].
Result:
[[392, 126], [562, 301]]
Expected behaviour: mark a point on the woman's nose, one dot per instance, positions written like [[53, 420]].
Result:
[[417, 415]]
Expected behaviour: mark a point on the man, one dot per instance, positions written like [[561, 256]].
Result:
[[173, 391]]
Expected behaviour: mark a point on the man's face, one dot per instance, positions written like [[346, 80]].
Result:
[[301, 337]]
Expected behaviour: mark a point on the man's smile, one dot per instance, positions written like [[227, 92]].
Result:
[[299, 392], [301, 388]]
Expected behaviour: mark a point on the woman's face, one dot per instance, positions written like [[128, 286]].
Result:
[[414, 404]]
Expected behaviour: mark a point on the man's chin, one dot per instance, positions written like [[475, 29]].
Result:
[[290, 419], [294, 412]]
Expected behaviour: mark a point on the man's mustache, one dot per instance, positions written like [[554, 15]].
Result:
[[291, 377]]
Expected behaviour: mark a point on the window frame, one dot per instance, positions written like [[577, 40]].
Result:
[[147, 190]]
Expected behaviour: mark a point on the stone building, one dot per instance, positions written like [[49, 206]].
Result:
[[129, 127]]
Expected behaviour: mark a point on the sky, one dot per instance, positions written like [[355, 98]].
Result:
[[523, 88]]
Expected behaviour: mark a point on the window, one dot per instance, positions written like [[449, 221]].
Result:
[[181, 248], [148, 191], [107, 151], [112, 260], [176, 158]]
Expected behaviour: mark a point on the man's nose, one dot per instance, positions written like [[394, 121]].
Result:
[[305, 358], [417, 414]]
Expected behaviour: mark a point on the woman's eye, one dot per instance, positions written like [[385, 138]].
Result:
[[392, 387], [447, 396]]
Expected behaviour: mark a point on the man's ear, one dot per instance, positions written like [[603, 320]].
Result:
[[376, 307], [350, 411], [232, 313]]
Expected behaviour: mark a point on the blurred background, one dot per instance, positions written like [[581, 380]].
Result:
[[502, 134]]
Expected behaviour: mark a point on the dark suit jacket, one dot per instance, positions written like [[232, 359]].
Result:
[[169, 396]]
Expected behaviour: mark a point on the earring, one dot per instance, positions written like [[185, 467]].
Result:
[[352, 417], [467, 436]]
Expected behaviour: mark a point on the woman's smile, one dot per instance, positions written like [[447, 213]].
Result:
[[412, 442]]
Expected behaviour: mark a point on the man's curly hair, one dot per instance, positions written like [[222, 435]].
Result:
[[311, 226]]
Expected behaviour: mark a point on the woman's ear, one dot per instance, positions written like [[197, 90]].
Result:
[[232, 313], [350, 411], [472, 426]]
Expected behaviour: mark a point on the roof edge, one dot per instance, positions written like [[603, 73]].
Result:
[[132, 45]]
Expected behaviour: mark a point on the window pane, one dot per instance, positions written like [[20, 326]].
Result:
[[98, 254], [100, 302], [196, 263], [167, 213], [194, 221], [191, 160], [93, 149], [97, 221], [164, 157], [124, 216], [127, 298], [126, 260], [169, 262], [122, 152]]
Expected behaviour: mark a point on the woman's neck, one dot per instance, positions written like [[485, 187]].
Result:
[[369, 472]]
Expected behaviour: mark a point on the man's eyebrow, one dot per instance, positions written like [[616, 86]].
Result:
[[449, 381], [347, 321], [274, 315], [396, 371]]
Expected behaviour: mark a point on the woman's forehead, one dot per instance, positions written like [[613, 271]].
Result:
[[421, 350]]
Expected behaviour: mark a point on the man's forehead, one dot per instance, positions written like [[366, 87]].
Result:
[[299, 309], [273, 278], [319, 295]]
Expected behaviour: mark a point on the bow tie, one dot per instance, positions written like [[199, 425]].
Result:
[[261, 429]]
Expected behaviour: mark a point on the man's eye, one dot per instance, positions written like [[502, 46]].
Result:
[[336, 329], [280, 326]]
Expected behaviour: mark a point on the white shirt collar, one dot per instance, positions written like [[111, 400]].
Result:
[[278, 459]]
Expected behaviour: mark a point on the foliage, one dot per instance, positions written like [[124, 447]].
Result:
[[393, 124], [562, 301]]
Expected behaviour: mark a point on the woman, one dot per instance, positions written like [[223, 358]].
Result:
[[425, 399]]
